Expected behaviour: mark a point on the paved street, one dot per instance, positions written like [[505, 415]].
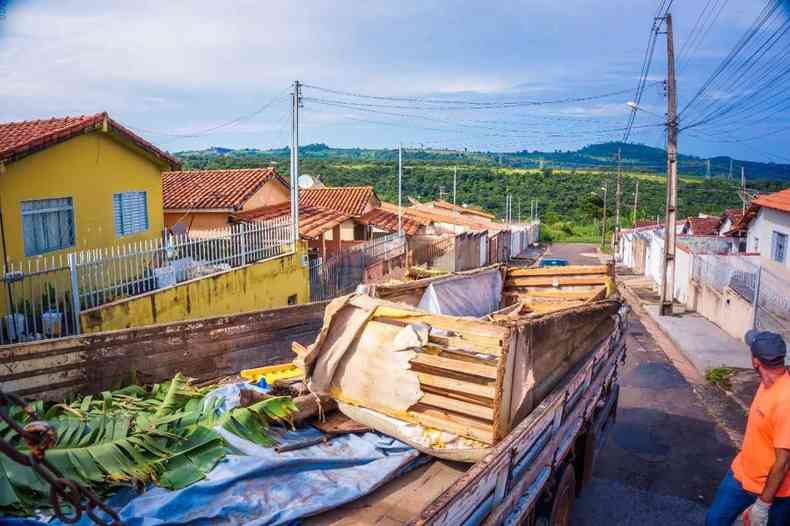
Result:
[[575, 253], [666, 453]]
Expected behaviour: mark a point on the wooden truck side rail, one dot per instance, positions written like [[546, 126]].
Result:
[[508, 482], [204, 349]]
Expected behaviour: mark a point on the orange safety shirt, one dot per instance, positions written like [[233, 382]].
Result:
[[768, 428]]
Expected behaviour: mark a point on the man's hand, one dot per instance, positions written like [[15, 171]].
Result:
[[757, 515]]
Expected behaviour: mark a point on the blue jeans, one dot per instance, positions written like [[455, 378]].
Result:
[[732, 500]]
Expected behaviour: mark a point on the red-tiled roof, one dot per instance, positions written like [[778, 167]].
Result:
[[413, 215], [777, 200], [388, 221], [640, 223], [351, 200], [19, 139], [704, 226], [214, 189], [733, 214], [740, 226], [312, 221], [440, 203]]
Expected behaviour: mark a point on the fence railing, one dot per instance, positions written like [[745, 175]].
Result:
[[44, 296], [768, 292], [344, 271]]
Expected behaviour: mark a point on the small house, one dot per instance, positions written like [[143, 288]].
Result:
[[200, 201], [77, 183], [766, 226]]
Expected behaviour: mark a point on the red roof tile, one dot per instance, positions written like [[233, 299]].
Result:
[[351, 200], [704, 226], [440, 203], [19, 139], [388, 221], [640, 223], [312, 221], [776, 200], [214, 189]]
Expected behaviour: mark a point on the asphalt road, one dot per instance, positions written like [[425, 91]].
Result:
[[665, 455], [575, 253]]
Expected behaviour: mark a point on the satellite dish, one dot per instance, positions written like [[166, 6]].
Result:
[[306, 181]]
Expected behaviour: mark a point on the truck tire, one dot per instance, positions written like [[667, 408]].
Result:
[[563, 498]]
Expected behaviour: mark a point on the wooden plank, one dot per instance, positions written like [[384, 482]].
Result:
[[447, 363], [504, 384], [555, 281], [459, 406], [556, 294], [453, 422], [458, 342], [452, 384], [570, 270]]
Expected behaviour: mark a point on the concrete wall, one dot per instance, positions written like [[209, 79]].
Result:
[[727, 309], [89, 168], [262, 285], [761, 229]]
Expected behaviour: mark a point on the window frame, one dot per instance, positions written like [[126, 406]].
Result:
[[72, 231], [776, 236], [119, 226]]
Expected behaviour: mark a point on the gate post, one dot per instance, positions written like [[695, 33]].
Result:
[[75, 291]]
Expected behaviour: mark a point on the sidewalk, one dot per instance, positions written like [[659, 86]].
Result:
[[702, 342]]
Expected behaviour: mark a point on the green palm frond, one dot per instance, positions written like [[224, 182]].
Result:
[[134, 436]]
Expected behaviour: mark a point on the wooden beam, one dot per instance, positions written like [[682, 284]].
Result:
[[452, 384], [547, 281], [571, 270], [447, 363], [453, 404]]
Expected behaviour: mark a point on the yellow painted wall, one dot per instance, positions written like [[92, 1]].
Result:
[[88, 168], [262, 285]]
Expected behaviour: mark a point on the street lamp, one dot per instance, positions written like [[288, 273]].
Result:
[[636, 107]]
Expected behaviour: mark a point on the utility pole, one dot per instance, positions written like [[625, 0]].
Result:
[[730, 176], [400, 192], [636, 201], [296, 97], [455, 183], [668, 281], [743, 189], [616, 240], [707, 169], [603, 223]]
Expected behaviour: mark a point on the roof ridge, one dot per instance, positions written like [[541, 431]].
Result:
[[217, 170], [53, 119]]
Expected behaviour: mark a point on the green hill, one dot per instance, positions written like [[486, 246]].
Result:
[[567, 189]]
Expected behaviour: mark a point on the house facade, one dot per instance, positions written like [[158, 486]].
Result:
[[766, 225], [201, 201], [77, 183]]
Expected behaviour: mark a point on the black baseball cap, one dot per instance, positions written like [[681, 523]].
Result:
[[766, 346]]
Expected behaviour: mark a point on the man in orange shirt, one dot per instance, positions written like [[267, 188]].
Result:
[[759, 480]]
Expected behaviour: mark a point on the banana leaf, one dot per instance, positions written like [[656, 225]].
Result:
[[134, 436]]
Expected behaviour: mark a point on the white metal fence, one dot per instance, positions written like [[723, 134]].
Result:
[[45, 295], [768, 292]]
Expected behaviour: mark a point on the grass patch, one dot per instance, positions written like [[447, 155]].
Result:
[[720, 376]]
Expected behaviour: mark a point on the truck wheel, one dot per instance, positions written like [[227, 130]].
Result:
[[563, 498]]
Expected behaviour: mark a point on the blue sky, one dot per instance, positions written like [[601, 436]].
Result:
[[176, 70]]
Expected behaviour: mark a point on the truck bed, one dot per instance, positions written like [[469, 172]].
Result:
[[399, 501]]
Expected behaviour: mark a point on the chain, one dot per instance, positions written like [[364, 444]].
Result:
[[39, 435]]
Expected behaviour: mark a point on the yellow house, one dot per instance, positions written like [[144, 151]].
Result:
[[198, 201], [77, 183]]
